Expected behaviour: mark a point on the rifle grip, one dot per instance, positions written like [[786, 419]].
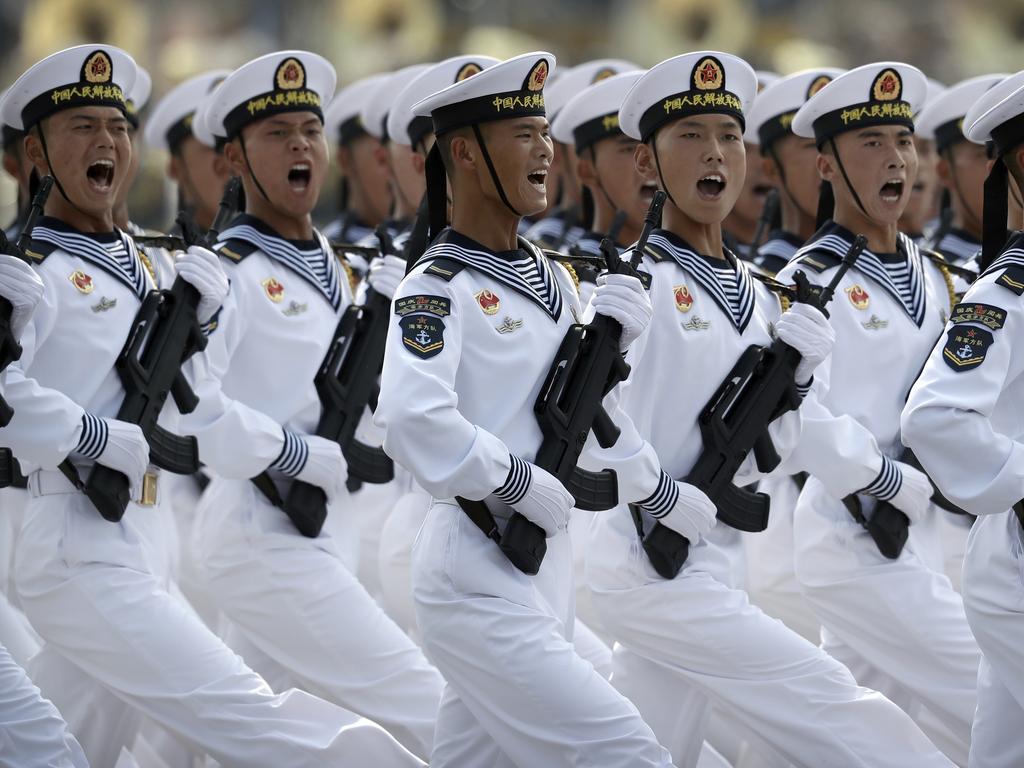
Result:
[[183, 395], [605, 430], [524, 544], [666, 550], [109, 492], [306, 507], [765, 455], [889, 528], [6, 413]]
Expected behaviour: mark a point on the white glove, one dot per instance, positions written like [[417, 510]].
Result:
[[21, 286], [546, 503], [127, 452], [623, 298], [325, 466], [809, 332], [692, 515], [201, 268], [915, 493], [385, 275]]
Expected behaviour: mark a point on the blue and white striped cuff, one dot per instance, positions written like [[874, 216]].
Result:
[[803, 389], [94, 436], [664, 498], [888, 482], [211, 325], [293, 455], [517, 483]]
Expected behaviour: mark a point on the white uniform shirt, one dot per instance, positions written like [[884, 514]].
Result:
[[272, 334], [852, 414], [964, 418], [469, 347]]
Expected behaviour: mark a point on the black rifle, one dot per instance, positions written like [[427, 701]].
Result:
[[166, 332], [587, 366], [760, 387], [347, 382], [10, 350]]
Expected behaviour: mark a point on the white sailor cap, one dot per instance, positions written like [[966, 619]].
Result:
[[84, 76], [712, 83], [404, 126], [593, 113], [375, 110], [284, 81], [172, 119], [342, 118], [8, 135], [765, 78], [138, 97], [934, 91], [883, 93], [509, 89], [771, 116], [942, 119], [572, 80], [998, 115]]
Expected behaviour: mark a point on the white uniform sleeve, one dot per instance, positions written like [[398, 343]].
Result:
[[235, 440], [418, 411], [947, 419], [47, 424]]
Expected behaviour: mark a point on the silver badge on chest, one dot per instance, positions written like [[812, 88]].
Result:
[[696, 324], [875, 323], [104, 305], [508, 325]]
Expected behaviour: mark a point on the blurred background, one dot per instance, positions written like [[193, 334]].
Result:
[[948, 39]]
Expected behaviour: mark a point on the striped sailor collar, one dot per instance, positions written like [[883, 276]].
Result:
[[114, 252], [837, 239], [313, 260], [507, 267], [958, 245], [705, 270], [1011, 255]]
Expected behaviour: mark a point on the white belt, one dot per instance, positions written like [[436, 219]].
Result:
[[54, 483]]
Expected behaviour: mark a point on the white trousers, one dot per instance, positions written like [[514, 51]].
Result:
[[901, 617], [709, 642], [32, 732], [98, 593], [994, 600], [294, 598], [518, 694]]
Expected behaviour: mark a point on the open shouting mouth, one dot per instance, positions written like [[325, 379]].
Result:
[[100, 174]]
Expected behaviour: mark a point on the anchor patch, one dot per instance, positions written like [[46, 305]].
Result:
[[423, 335], [966, 347]]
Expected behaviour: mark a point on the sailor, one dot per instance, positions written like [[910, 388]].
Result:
[[100, 593], [365, 196], [920, 217], [568, 215], [293, 596], [962, 167], [961, 421], [888, 313], [476, 326], [696, 636]]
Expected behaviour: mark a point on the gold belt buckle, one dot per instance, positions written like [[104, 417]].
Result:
[[149, 485]]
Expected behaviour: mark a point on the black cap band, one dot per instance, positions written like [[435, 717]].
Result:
[[486, 109], [592, 131], [1008, 135], [865, 115], [774, 129], [419, 128], [271, 103], [178, 132], [687, 104]]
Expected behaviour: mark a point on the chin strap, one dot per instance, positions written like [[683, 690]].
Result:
[[490, 167], [53, 173], [993, 228], [252, 173], [661, 178], [846, 178]]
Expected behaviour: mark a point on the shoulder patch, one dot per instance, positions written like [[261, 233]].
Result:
[[236, 250], [656, 253], [422, 335], [966, 347], [444, 268], [989, 315], [1012, 278], [423, 304], [819, 261], [38, 250]]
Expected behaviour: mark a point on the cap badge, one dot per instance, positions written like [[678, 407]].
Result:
[[97, 68], [538, 75], [887, 86], [708, 75], [290, 75]]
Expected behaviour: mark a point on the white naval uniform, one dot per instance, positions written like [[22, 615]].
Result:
[[963, 420], [469, 348], [294, 598], [100, 593], [897, 624], [696, 639]]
